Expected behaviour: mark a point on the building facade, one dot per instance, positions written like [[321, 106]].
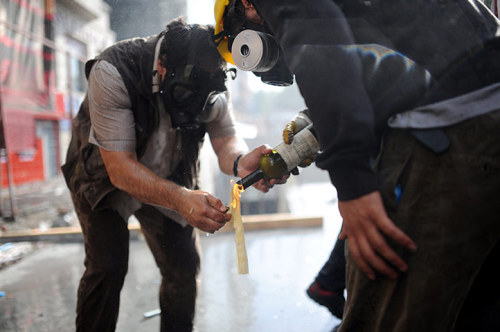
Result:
[[43, 47], [141, 18]]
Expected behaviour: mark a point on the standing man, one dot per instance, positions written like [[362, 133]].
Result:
[[436, 178], [135, 151]]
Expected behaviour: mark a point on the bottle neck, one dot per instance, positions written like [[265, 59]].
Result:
[[251, 178]]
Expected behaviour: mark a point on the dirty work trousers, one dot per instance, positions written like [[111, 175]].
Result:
[[450, 207], [106, 239]]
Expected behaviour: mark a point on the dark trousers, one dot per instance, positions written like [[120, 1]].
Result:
[[331, 277], [106, 238], [450, 207]]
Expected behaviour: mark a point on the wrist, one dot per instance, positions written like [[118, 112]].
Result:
[[176, 198], [235, 165]]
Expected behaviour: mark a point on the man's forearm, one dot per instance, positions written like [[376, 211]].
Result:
[[200, 209], [129, 175], [227, 150]]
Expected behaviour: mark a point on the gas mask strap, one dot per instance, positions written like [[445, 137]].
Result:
[[156, 76], [218, 38], [232, 72], [187, 72]]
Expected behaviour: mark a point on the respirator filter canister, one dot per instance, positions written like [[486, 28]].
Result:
[[254, 51]]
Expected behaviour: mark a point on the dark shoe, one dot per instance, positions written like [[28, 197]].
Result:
[[333, 301]]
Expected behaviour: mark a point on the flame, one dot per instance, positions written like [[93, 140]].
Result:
[[237, 190]]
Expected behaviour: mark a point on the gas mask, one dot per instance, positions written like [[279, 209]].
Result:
[[189, 92], [249, 46], [258, 52]]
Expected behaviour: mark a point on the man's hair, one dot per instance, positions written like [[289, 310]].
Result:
[[190, 44]]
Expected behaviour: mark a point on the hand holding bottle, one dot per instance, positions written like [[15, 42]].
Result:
[[298, 123], [284, 158], [250, 162]]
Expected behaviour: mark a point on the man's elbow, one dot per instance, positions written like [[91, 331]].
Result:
[[120, 168], [118, 176], [116, 180]]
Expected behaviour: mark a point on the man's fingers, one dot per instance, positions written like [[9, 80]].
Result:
[[209, 226], [367, 226], [359, 259], [289, 132], [263, 185], [387, 227], [281, 180], [217, 216], [208, 214], [375, 249], [380, 245], [368, 253], [368, 257], [215, 203], [263, 149], [398, 235]]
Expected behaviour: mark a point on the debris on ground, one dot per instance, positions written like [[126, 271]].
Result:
[[11, 253]]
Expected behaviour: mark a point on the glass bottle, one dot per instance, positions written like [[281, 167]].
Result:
[[284, 157]]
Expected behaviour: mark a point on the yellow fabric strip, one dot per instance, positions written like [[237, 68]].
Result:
[[239, 235]]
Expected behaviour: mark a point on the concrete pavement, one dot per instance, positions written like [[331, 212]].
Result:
[[40, 290]]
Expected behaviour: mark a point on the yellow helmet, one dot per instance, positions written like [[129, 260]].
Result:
[[222, 47]]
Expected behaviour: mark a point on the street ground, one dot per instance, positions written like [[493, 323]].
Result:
[[38, 292]]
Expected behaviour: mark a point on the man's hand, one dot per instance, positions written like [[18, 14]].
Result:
[[365, 224], [293, 127], [203, 210], [250, 162], [200, 209]]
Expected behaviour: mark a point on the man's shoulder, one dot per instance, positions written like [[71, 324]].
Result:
[[107, 67]]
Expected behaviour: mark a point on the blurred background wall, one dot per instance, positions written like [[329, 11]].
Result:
[[44, 45]]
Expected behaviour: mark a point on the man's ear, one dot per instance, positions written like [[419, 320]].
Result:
[[246, 4], [162, 71], [251, 13]]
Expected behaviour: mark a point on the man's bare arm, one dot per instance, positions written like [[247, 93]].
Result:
[[199, 208]]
